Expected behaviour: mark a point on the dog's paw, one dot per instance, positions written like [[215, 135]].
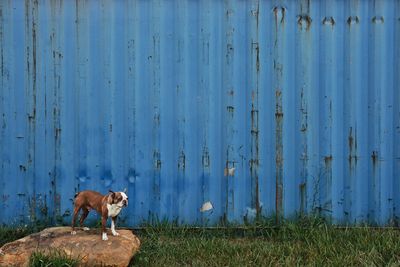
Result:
[[104, 237], [86, 228], [73, 233], [115, 233]]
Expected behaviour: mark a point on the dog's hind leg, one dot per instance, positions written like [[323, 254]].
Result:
[[76, 211], [83, 217]]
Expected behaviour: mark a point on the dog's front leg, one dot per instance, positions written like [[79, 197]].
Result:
[[103, 227], [113, 221]]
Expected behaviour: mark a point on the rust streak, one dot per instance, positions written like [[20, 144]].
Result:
[[181, 161], [302, 188], [374, 158], [1, 43], [329, 21], [279, 12], [157, 159], [254, 161], [304, 20], [328, 161], [378, 19], [205, 158], [230, 110], [279, 153], [353, 20], [352, 141]]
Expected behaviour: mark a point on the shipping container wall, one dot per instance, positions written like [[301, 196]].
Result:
[[206, 111]]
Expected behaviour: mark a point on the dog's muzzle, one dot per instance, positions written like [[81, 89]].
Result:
[[125, 203]]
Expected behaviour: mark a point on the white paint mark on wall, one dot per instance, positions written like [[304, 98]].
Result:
[[251, 213], [229, 171], [206, 206]]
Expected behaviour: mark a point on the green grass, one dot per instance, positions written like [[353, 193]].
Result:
[[11, 233], [307, 242], [8, 234], [304, 242]]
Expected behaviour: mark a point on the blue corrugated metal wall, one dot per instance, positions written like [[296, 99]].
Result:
[[260, 107]]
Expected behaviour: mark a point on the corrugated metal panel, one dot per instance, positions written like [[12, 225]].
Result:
[[260, 107]]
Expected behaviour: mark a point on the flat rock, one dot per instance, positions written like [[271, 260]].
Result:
[[85, 245]]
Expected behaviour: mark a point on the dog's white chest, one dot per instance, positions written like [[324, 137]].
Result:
[[113, 210]]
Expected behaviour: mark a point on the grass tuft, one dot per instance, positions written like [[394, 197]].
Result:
[[53, 258]]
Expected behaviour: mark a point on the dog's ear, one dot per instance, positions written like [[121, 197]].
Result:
[[112, 195], [125, 190]]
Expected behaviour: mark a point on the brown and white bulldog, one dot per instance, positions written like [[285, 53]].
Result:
[[108, 205]]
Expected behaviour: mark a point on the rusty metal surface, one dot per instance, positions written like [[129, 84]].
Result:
[[205, 111]]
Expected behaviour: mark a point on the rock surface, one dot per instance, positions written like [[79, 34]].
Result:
[[85, 245]]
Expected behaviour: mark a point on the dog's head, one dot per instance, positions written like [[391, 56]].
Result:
[[118, 198]]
